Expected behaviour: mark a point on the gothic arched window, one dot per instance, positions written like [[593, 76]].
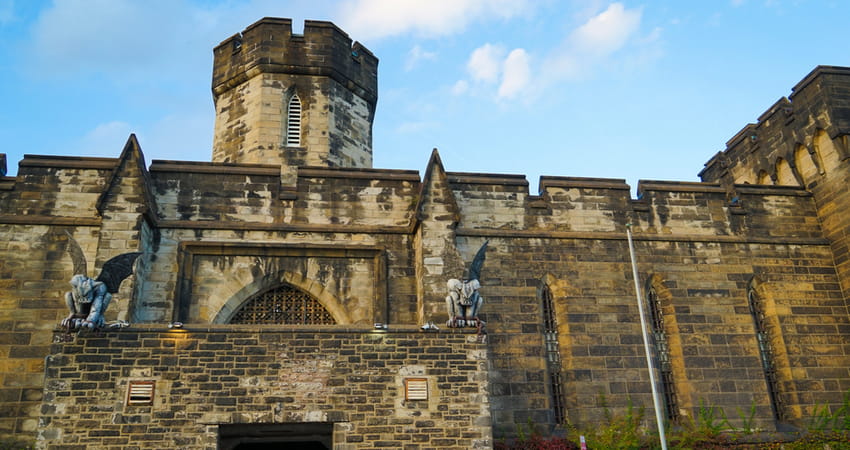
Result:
[[662, 353], [768, 361], [293, 122], [284, 305], [553, 355]]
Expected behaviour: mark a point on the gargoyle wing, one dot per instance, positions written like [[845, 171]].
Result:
[[77, 256], [116, 270], [478, 262]]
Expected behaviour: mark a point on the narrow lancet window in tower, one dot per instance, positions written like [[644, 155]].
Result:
[[768, 363], [553, 355], [662, 354], [293, 122]]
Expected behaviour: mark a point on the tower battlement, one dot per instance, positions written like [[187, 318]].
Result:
[[269, 46]]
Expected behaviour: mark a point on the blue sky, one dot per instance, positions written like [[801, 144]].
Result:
[[631, 89]]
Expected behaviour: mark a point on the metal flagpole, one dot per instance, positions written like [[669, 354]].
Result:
[[656, 401]]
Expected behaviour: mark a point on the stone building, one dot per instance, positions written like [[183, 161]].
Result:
[[282, 286]]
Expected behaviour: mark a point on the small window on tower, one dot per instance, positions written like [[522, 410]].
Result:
[[293, 122]]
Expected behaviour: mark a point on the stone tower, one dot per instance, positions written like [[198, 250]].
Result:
[[801, 141], [294, 100]]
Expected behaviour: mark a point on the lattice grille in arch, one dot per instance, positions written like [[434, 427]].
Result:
[[284, 305]]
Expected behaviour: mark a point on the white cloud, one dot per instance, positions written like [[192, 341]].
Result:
[[460, 88], [485, 63], [594, 43], [607, 31], [488, 65], [517, 74], [417, 55], [375, 19]]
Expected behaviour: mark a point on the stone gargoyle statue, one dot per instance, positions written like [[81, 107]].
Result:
[[464, 301], [88, 298]]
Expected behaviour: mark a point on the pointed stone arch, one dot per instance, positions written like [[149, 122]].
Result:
[[269, 282], [764, 178], [772, 349], [826, 151], [785, 173], [806, 165], [680, 396], [559, 292]]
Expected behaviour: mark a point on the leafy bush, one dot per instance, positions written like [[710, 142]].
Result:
[[708, 430]]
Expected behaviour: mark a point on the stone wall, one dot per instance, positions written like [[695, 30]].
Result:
[[255, 74], [701, 253], [378, 246], [206, 377], [804, 141]]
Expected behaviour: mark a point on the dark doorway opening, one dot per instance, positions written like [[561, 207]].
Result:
[[266, 436]]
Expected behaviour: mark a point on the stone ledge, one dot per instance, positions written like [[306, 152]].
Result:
[[759, 189], [349, 173], [308, 228], [583, 182], [486, 178], [68, 162], [49, 220], [265, 329], [7, 183], [679, 186], [215, 168], [621, 236], [279, 249]]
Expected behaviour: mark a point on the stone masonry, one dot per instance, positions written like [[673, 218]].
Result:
[[748, 273], [213, 376]]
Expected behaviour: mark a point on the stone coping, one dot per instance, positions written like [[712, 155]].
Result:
[[486, 178], [269, 329], [770, 189], [363, 173], [679, 186], [159, 165], [68, 162], [816, 72], [547, 181]]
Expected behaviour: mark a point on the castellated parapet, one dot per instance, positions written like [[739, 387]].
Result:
[[290, 226], [269, 46], [801, 141], [259, 73]]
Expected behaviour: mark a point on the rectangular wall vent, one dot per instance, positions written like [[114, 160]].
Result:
[[415, 389], [140, 393]]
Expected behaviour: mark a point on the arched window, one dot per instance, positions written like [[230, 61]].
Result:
[[283, 305], [768, 361], [662, 354], [553, 355], [293, 122]]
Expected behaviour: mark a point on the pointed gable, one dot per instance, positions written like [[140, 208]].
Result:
[[436, 199], [129, 183]]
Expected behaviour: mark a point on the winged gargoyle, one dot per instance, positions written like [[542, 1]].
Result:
[[88, 298], [464, 301]]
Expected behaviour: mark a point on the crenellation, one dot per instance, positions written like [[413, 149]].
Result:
[[359, 246], [270, 45]]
